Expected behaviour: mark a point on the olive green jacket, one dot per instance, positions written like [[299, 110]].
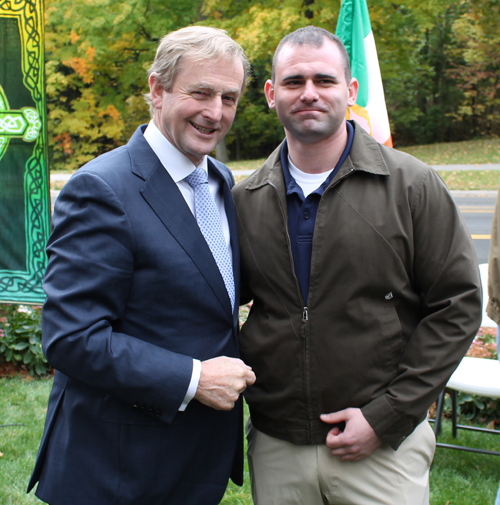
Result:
[[394, 297]]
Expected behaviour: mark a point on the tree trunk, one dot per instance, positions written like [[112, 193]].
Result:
[[221, 151]]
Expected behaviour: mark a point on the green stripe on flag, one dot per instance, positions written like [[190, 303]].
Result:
[[352, 28]]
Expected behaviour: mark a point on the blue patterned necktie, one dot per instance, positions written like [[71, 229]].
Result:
[[208, 219]]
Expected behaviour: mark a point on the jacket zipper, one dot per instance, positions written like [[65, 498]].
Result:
[[306, 374], [305, 320], [305, 313]]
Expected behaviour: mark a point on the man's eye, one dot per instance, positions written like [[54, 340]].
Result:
[[229, 99], [199, 94]]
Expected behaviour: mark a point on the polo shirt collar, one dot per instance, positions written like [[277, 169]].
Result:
[[291, 185]]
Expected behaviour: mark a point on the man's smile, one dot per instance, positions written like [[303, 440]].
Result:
[[201, 129]]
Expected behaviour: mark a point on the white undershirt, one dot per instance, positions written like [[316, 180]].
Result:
[[179, 166], [308, 182]]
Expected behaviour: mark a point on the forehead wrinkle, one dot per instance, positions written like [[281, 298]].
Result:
[[209, 86]]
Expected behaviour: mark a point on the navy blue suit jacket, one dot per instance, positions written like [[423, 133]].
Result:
[[133, 294]]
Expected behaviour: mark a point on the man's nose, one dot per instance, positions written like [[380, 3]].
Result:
[[213, 110], [309, 93]]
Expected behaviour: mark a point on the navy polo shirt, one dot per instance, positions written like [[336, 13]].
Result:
[[302, 214]]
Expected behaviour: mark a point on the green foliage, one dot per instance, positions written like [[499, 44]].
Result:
[[474, 409], [439, 62], [21, 338], [478, 77], [258, 27], [414, 43], [97, 56]]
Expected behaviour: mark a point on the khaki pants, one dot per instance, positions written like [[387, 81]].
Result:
[[286, 474]]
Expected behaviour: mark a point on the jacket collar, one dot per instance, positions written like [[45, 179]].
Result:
[[366, 155]]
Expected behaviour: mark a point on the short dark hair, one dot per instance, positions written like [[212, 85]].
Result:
[[315, 37]]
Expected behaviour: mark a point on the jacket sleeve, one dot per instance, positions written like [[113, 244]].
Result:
[[90, 274], [446, 276]]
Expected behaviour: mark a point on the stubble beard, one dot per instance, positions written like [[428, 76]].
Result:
[[314, 132]]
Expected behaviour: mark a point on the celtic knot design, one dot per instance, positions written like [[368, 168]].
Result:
[[12, 125], [26, 287]]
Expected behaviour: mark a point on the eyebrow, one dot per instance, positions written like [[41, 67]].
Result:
[[301, 76]]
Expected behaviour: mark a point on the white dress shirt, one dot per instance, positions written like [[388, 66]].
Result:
[[179, 166]]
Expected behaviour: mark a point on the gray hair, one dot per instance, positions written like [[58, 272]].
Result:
[[315, 37], [200, 43]]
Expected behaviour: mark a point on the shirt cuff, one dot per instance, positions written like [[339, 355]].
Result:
[[193, 385]]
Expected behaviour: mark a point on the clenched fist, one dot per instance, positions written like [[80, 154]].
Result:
[[222, 381]]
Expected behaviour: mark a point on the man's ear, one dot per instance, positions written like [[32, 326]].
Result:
[[156, 90], [352, 91], [269, 92]]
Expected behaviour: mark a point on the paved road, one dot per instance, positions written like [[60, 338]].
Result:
[[477, 209]]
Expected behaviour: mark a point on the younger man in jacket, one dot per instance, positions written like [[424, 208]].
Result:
[[366, 295]]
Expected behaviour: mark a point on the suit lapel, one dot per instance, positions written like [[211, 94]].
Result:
[[163, 196]]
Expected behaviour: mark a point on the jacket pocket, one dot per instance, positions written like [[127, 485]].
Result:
[[114, 410], [392, 332]]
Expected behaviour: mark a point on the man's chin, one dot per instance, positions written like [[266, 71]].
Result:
[[198, 150], [310, 137], [311, 134]]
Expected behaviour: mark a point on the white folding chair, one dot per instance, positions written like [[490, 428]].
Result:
[[475, 376]]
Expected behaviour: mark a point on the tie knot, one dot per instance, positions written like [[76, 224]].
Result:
[[197, 176]]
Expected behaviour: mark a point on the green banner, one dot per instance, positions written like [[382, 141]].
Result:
[[24, 180]]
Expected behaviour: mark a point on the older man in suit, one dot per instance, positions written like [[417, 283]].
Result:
[[141, 318]]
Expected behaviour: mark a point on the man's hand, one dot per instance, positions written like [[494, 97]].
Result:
[[357, 441], [222, 381]]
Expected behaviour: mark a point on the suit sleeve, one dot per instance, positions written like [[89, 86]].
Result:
[[89, 277], [446, 275]]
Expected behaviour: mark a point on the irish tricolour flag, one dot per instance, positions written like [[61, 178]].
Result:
[[355, 31]]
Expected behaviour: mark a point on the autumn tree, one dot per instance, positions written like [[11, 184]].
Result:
[[97, 54], [477, 32], [439, 63]]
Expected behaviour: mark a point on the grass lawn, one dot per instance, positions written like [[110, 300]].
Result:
[[24, 404], [464, 478], [457, 478], [471, 179], [468, 152]]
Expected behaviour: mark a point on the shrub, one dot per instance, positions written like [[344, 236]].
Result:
[[484, 345], [475, 409], [21, 338]]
